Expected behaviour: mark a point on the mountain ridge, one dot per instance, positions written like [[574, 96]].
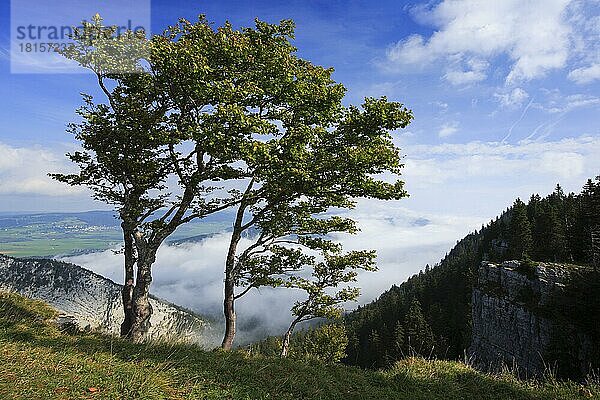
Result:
[[95, 301]]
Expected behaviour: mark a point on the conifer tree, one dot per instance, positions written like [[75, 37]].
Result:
[[520, 231], [418, 335]]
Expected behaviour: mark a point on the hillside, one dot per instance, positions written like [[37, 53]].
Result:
[[431, 313], [39, 361], [95, 302]]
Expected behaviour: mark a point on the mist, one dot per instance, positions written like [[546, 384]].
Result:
[[191, 274]]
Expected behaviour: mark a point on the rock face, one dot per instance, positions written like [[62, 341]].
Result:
[[91, 301], [513, 310]]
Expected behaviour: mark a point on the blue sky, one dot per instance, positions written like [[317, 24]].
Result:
[[505, 96]]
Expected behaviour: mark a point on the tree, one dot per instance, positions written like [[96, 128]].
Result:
[[123, 159], [298, 178], [333, 270], [398, 341], [162, 132], [302, 153], [590, 220], [520, 231], [327, 343], [418, 334], [558, 222]]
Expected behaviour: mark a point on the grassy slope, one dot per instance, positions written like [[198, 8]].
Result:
[[39, 362]]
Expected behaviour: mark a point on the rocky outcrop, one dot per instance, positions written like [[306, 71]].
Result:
[[516, 309], [90, 301]]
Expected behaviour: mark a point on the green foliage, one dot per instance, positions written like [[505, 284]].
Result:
[[334, 270], [527, 267], [417, 332], [124, 142], [38, 361], [114, 52], [520, 240], [326, 343], [444, 291]]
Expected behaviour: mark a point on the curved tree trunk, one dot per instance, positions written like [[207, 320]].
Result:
[[229, 291], [285, 345], [230, 317]]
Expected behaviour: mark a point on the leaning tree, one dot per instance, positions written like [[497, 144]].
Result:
[[277, 123], [235, 118], [296, 179]]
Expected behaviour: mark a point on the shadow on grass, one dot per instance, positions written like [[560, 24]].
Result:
[[14, 309]]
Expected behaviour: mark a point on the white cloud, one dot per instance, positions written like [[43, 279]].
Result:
[[584, 15], [443, 106], [464, 77], [586, 74], [474, 72], [514, 98], [448, 129], [573, 159], [480, 179], [559, 104], [535, 35], [192, 274], [25, 171]]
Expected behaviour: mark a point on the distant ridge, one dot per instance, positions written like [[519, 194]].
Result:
[[99, 218]]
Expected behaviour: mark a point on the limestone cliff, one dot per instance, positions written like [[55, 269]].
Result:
[[93, 301], [521, 316]]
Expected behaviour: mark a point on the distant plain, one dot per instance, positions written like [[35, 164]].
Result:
[[65, 234]]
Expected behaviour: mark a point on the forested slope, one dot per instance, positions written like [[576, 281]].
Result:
[[430, 313]]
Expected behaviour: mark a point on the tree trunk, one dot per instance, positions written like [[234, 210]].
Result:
[[141, 305], [229, 292], [129, 253], [230, 317], [129, 257], [285, 345]]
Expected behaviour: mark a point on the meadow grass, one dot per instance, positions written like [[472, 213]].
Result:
[[38, 361]]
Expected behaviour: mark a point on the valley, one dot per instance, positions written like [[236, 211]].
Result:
[[48, 235]]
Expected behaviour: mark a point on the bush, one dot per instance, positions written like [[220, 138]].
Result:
[[527, 267]]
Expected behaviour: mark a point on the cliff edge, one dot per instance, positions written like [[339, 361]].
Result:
[[533, 316]]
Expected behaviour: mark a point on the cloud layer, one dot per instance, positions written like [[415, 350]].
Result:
[[482, 178], [192, 274]]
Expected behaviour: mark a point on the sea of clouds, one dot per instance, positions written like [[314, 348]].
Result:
[[191, 274]]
